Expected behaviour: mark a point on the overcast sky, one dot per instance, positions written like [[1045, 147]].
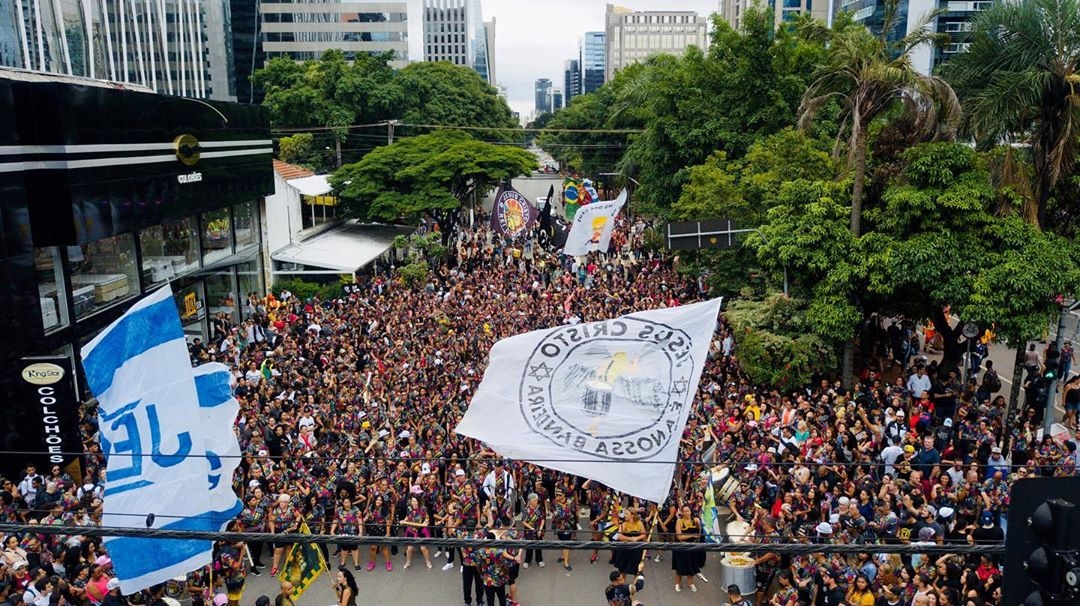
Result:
[[534, 38]]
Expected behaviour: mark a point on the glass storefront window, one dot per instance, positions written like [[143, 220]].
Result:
[[103, 273], [250, 283], [217, 241], [246, 224], [221, 297], [169, 250], [50, 272]]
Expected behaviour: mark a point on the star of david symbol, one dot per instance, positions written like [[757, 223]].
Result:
[[540, 372], [679, 386]]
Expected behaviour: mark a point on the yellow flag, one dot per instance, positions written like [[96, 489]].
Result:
[[303, 566]]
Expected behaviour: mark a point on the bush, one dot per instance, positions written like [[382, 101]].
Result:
[[306, 289], [415, 274]]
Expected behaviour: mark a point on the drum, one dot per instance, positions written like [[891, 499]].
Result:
[[174, 587], [738, 569], [738, 532], [724, 485]]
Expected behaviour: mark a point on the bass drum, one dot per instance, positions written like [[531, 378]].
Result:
[[174, 587], [738, 569], [738, 532], [724, 485]]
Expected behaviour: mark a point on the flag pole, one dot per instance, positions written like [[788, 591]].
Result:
[[329, 571]]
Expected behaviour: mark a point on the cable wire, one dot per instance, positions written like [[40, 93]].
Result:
[[350, 540]]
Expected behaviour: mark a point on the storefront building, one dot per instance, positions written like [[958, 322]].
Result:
[[106, 194]]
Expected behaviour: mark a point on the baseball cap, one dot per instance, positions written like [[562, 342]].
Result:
[[102, 560], [986, 519], [908, 448], [996, 450], [114, 583], [19, 565], [948, 422], [459, 472], [221, 599], [926, 534], [823, 528]]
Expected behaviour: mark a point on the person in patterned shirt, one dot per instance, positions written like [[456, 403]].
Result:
[[283, 519], [348, 520], [564, 522], [533, 518], [233, 570], [494, 567]]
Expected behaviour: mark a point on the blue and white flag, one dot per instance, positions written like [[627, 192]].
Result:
[[159, 474]]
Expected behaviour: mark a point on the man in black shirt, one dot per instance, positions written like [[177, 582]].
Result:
[[619, 593], [830, 593]]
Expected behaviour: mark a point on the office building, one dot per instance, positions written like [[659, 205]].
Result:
[[175, 47], [634, 36], [303, 30], [571, 79], [593, 61], [455, 32], [955, 21], [784, 11], [543, 96], [108, 193], [556, 99]]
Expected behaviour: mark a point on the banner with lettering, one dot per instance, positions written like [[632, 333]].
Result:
[[604, 400]]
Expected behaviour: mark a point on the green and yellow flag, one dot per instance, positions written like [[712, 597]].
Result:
[[571, 197], [303, 566]]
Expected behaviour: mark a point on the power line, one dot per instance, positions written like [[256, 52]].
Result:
[[504, 129], [357, 540]]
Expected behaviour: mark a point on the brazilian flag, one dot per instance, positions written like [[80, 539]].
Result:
[[571, 197], [303, 566]]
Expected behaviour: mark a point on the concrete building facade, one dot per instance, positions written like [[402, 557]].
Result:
[[784, 11], [454, 31], [634, 36]]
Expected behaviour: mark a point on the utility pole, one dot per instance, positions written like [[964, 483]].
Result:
[[390, 131]]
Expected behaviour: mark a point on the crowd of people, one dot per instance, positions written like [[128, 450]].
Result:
[[348, 409]]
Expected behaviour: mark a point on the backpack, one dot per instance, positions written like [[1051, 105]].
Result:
[[991, 381]]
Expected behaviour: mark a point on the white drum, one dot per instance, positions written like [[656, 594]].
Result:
[[738, 532], [724, 485]]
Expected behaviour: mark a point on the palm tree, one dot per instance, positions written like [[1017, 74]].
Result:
[[1020, 79], [870, 76]]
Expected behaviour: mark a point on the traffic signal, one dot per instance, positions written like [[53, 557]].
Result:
[[1042, 546]]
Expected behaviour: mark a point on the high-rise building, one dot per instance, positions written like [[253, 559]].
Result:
[[733, 10], [543, 96], [176, 47], [634, 36], [556, 99], [593, 59], [956, 21], [305, 29], [455, 32], [572, 79]]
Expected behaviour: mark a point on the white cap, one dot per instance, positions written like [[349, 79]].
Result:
[[823, 528], [459, 472], [114, 583]]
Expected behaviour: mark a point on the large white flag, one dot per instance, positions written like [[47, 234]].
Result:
[[158, 472], [603, 400], [593, 225]]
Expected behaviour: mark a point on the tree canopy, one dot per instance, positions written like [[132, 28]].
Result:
[[432, 174], [333, 95]]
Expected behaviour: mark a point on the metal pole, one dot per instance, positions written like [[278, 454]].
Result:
[[1051, 390], [967, 363]]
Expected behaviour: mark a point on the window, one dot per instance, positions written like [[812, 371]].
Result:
[[191, 304], [216, 229], [246, 224], [169, 249], [50, 274], [221, 296], [317, 210], [103, 273]]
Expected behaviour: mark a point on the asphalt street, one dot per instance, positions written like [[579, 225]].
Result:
[[548, 586]]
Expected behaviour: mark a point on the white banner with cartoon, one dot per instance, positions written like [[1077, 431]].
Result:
[[593, 225], [603, 400]]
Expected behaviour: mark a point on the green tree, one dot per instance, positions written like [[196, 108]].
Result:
[[431, 174], [870, 76], [296, 149], [445, 94], [1018, 79]]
